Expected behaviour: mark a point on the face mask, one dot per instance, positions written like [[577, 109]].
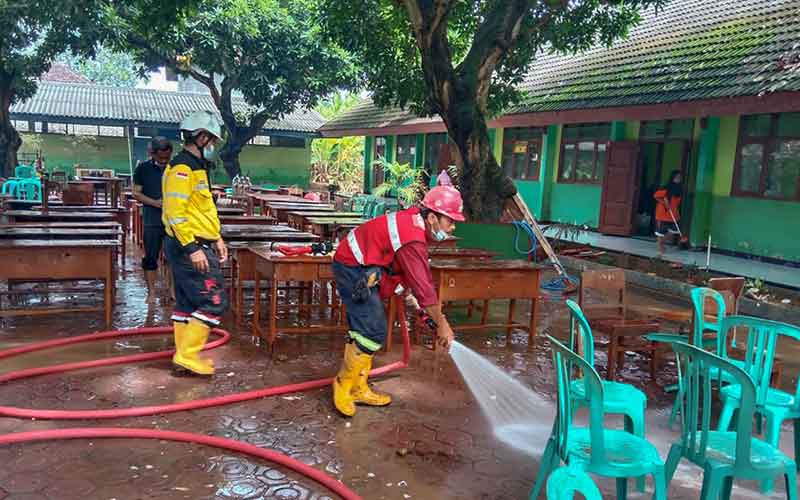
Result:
[[209, 152], [439, 235]]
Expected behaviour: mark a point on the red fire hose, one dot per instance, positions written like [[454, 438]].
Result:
[[184, 437], [84, 433]]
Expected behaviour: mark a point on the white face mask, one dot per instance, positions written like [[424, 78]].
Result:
[[209, 152], [439, 235]]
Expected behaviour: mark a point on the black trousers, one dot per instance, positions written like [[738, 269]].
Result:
[[153, 240], [197, 295]]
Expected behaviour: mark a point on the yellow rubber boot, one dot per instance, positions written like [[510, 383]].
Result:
[[362, 393], [344, 381], [195, 334]]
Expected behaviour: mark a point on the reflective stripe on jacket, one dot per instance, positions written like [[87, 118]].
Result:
[[188, 210]]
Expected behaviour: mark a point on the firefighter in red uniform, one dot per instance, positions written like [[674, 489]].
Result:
[[385, 256]]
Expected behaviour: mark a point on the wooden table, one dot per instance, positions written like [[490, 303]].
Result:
[[58, 216], [462, 280], [49, 260], [230, 211], [280, 211], [81, 232], [276, 268], [112, 186], [13, 204], [299, 219], [330, 227], [243, 232], [227, 220], [260, 200]]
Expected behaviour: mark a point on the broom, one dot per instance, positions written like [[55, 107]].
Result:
[[683, 242]]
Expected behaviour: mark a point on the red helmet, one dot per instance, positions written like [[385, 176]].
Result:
[[445, 200]]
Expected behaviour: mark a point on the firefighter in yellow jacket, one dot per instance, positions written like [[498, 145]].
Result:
[[194, 246]]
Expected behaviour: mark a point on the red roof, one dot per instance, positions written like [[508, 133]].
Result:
[[60, 72]]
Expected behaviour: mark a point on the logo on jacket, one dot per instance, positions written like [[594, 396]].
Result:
[[417, 220]]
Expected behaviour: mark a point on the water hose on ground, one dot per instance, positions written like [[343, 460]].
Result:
[[325, 480], [91, 433]]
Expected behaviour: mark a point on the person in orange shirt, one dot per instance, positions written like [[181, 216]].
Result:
[[668, 199]]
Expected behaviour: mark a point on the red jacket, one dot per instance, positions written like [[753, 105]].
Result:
[[662, 214], [375, 242]]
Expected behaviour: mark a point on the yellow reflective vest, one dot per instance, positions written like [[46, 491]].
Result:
[[188, 210]]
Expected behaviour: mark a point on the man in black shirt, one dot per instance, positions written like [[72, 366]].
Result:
[[147, 189]]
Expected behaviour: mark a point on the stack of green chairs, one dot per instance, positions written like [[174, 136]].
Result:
[[620, 398], [723, 455], [775, 405], [593, 449], [24, 185]]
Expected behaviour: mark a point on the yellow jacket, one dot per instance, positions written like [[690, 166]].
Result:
[[188, 209]]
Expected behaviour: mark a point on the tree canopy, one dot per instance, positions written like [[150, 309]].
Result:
[[464, 60], [115, 69], [33, 33], [270, 52]]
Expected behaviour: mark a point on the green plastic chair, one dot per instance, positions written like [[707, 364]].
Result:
[[620, 398], [723, 455], [705, 331], [596, 450], [773, 404], [16, 186], [565, 482]]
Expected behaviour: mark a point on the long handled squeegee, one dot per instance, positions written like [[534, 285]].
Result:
[[569, 286]]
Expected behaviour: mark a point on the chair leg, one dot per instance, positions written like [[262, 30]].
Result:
[[622, 488], [797, 443], [726, 415], [660, 482], [713, 487], [727, 488], [549, 462], [791, 484], [672, 461], [773, 435], [634, 424]]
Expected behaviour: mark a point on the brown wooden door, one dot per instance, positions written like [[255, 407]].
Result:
[[620, 189]]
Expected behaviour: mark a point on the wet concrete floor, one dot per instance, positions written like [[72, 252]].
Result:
[[431, 443]]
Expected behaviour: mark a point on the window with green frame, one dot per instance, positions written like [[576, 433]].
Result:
[[405, 149], [522, 148], [583, 153], [768, 157]]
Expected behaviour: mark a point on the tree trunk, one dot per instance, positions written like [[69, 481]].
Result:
[[230, 156], [9, 138], [484, 186]]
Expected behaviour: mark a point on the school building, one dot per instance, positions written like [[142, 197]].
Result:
[[711, 89], [94, 126]]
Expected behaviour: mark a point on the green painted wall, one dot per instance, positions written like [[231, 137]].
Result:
[[62, 152], [632, 130], [369, 147], [576, 204], [707, 140], [726, 155], [275, 165], [264, 164], [497, 238], [759, 227]]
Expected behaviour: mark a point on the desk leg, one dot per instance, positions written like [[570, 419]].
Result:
[[512, 307], [108, 296], [273, 312], [485, 312], [532, 326], [257, 305]]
